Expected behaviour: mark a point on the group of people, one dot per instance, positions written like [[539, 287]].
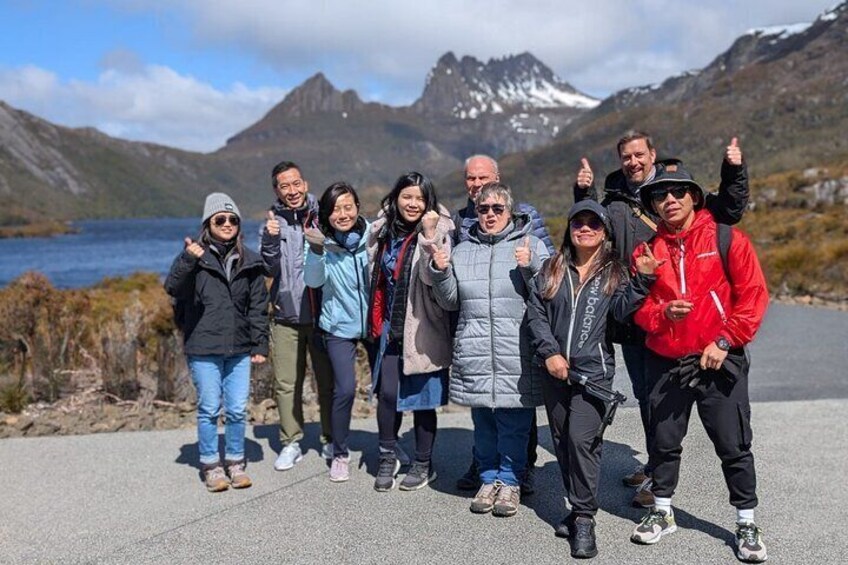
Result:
[[478, 307]]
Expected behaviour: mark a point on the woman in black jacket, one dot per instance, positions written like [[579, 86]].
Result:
[[221, 306], [567, 312]]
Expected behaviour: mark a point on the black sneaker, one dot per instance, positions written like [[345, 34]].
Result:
[[582, 540], [386, 472], [419, 476], [471, 479], [528, 484]]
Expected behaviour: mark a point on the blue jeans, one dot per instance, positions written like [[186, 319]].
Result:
[[500, 443], [215, 376]]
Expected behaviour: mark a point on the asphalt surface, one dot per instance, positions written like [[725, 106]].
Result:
[[137, 497]]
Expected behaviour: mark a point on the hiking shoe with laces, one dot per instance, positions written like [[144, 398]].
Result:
[[471, 479], [653, 526], [340, 469], [528, 483], [643, 498], [484, 500], [636, 478], [582, 540], [386, 472], [238, 477], [419, 476], [215, 478], [749, 543], [507, 500], [289, 456]]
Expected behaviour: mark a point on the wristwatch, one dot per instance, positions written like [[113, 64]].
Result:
[[722, 343]]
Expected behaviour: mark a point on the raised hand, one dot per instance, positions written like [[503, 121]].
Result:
[[733, 153], [523, 254], [315, 238], [585, 177], [193, 248], [429, 221], [557, 366], [272, 224], [440, 258], [646, 263]]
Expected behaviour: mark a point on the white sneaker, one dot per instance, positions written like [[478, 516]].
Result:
[[289, 456], [327, 451], [402, 456]]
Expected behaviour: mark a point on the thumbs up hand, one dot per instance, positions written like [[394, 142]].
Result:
[[733, 153], [523, 253], [193, 248], [428, 224], [585, 177], [272, 224]]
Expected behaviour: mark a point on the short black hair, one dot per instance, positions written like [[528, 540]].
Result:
[[282, 167]]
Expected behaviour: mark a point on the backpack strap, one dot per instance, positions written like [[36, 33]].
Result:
[[724, 236]]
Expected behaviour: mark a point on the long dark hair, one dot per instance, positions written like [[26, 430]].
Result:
[[327, 204], [606, 259], [389, 201]]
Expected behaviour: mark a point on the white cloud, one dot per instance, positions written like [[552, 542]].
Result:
[[138, 102]]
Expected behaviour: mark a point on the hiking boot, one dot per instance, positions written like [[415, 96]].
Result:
[[484, 500], [528, 483], [582, 540], [749, 543], [237, 475], [643, 498], [653, 526], [419, 476], [215, 478], [327, 451], [340, 469], [289, 456], [563, 529], [636, 478], [386, 472], [507, 501], [471, 479]]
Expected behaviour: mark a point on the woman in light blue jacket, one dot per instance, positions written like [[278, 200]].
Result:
[[338, 263]]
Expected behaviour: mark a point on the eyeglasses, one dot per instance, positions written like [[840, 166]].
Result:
[[498, 209], [678, 192], [221, 220], [594, 224]]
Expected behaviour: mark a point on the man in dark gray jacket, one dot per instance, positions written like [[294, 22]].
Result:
[[295, 309]]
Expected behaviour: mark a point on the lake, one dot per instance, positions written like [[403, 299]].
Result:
[[103, 248]]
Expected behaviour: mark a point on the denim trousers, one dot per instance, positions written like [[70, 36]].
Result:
[[500, 443], [218, 378]]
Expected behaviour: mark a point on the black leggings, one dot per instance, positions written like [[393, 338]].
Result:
[[389, 419], [342, 354]]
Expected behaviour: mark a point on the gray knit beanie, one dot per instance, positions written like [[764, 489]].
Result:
[[219, 202]]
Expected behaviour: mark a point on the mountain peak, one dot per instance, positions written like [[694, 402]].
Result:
[[317, 95], [466, 88]]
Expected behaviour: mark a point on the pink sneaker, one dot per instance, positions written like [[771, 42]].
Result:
[[340, 469]]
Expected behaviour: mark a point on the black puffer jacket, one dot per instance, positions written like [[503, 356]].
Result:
[[219, 316]]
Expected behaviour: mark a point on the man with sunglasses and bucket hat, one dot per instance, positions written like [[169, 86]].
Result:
[[633, 224], [706, 303]]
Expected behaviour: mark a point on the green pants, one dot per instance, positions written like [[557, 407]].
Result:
[[289, 345]]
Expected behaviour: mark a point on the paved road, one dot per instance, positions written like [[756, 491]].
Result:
[[137, 498]]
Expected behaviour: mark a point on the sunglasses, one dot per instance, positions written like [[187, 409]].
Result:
[[678, 192], [498, 209], [594, 224], [221, 220]]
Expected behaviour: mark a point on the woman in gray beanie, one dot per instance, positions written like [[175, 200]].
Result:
[[221, 306], [567, 318]]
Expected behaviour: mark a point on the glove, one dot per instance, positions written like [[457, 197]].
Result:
[[687, 372]]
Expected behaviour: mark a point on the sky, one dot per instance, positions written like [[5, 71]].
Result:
[[192, 73]]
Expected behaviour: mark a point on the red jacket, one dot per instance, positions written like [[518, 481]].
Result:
[[693, 271]]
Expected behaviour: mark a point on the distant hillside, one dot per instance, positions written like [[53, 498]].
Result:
[[783, 91]]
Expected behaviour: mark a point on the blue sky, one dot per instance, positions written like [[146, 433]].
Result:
[[191, 73]]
